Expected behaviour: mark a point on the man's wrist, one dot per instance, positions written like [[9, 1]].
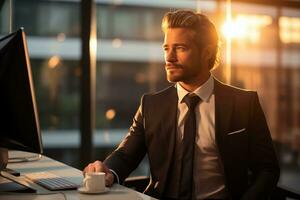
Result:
[[116, 177]]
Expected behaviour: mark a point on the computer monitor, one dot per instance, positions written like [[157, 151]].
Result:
[[19, 122]]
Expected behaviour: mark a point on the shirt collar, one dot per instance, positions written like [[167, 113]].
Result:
[[204, 91]]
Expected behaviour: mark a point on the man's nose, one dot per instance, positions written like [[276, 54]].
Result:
[[170, 56]]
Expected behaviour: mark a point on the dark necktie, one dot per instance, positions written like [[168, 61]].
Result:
[[188, 143]]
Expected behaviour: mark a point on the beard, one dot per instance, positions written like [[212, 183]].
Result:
[[182, 74], [173, 78], [174, 73]]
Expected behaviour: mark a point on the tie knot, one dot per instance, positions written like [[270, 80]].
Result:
[[192, 100]]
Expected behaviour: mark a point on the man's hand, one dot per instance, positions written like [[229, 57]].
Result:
[[99, 166]]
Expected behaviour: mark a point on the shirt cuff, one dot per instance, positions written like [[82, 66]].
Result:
[[116, 175]]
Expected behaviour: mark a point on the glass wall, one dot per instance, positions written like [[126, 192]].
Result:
[[264, 44], [288, 117]]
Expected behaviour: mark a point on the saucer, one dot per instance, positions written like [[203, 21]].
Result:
[[83, 190]]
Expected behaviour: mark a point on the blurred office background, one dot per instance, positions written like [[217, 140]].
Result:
[[260, 50]]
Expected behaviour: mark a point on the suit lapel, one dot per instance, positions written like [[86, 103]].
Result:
[[168, 110], [169, 123], [223, 112]]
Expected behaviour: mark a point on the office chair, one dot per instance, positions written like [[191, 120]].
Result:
[[283, 193], [139, 184]]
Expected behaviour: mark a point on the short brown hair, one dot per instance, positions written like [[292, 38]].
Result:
[[205, 30]]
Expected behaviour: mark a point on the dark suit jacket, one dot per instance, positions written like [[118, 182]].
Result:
[[154, 128]]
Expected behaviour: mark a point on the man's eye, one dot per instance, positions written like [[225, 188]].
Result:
[[180, 48]]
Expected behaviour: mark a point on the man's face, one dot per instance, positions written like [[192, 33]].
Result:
[[182, 56]]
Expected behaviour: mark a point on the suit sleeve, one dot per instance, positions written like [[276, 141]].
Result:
[[263, 160], [131, 150]]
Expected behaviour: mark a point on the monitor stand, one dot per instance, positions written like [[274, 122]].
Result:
[[3, 162], [6, 186], [18, 184], [23, 184], [3, 158]]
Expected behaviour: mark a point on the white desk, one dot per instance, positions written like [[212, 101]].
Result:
[[117, 192]]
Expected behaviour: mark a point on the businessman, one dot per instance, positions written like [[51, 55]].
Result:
[[203, 138]]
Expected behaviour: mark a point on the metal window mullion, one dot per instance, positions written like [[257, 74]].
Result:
[[88, 80]]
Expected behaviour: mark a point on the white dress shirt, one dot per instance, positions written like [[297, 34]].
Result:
[[208, 172]]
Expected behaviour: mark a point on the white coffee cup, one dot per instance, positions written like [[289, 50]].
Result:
[[94, 181]]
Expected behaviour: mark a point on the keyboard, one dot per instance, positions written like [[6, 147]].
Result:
[[51, 181]]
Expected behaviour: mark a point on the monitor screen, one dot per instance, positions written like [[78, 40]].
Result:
[[19, 123]]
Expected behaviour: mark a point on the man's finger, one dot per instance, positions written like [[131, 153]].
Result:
[[97, 166]]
